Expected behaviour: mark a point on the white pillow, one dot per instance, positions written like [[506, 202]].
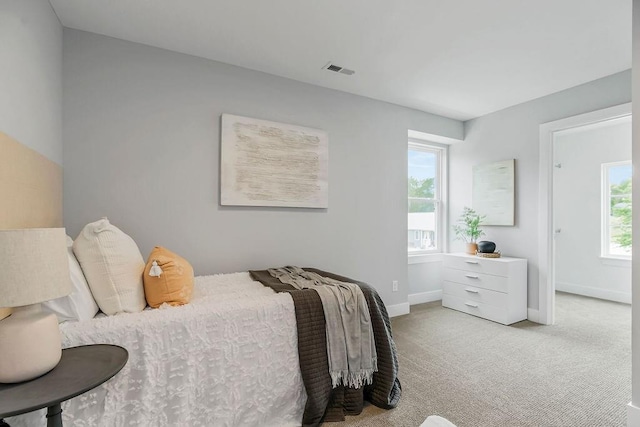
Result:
[[79, 304], [436, 421], [113, 266]]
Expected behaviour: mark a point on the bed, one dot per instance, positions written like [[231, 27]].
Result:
[[219, 360], [228, 358]]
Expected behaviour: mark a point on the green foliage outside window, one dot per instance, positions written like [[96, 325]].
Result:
[[621, 213], [421, 189]]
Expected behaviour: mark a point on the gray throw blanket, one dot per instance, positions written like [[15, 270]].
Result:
[[351, 347], [324, 403]]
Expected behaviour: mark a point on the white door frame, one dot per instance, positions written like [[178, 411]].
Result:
[[546, 267]]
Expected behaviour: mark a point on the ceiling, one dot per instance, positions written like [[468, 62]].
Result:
[[457, 58]]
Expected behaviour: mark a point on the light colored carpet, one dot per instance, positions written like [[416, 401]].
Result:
[[477, 373]]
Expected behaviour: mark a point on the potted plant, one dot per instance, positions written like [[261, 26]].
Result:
[[468, 229]]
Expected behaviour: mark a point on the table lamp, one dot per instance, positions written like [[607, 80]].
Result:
[[33, 268]]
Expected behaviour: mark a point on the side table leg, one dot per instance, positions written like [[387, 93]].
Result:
[[54, 416]]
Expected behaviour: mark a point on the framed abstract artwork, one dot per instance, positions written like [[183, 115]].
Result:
[[264, 163], [493, 192]]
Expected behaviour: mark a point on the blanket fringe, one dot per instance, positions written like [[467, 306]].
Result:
[[352, 379]]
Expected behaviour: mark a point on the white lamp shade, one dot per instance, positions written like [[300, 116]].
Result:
[[33, 266]]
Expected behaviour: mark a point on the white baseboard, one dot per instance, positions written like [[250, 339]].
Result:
[[533, 315], [398, 309], [594, 292], [633, 415], [422, 297]]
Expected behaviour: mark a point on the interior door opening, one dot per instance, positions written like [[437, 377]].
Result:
[[585, 208], [592, 210]]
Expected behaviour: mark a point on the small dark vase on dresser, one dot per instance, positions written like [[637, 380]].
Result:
[[486, 247]]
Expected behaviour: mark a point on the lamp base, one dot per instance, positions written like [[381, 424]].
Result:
[[30, 344]]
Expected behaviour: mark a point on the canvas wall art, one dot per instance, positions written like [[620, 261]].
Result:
[[266, 163], [494, 192]]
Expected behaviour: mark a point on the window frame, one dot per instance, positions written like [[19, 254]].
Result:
[[440, 196], [605, 207]]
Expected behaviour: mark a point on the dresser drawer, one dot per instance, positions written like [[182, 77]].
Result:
[[497, 314], [479, 280], [473, 293], [476, 264]]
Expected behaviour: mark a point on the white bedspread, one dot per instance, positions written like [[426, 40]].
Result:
[[229, 358]]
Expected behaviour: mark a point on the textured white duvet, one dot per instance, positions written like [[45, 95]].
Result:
[[229, 358]]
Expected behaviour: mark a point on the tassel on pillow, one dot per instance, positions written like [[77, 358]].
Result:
[[155, 270]]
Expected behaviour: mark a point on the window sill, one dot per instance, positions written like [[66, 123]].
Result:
[[616, 262], [422, 258]]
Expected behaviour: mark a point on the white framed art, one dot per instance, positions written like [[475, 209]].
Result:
[[493, 192], [264, 163]]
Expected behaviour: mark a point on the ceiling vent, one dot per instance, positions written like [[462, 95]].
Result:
[[338, 69]]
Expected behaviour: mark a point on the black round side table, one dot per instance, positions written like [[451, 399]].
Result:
[[80, 369]]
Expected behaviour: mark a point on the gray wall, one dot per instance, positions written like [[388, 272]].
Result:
[[141, 132], [31, 75], [515, 133]]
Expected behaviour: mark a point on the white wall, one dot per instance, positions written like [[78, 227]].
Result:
[[577, 210], [634, 406], [31, 75], [514, 133], [425, 279], [142, 135]]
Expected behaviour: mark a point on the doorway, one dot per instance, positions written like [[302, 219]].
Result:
[[575, 173], [592, 209]]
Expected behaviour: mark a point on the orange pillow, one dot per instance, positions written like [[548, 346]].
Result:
[[171, 283]]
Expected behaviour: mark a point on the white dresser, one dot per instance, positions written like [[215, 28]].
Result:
[[492, 288]]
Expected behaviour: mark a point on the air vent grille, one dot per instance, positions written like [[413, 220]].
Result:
[[338, 69]]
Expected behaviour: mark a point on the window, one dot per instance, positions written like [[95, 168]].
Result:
[[616, 210], [425, 201]]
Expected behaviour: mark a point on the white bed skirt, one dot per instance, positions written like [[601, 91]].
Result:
[[229, 358]]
